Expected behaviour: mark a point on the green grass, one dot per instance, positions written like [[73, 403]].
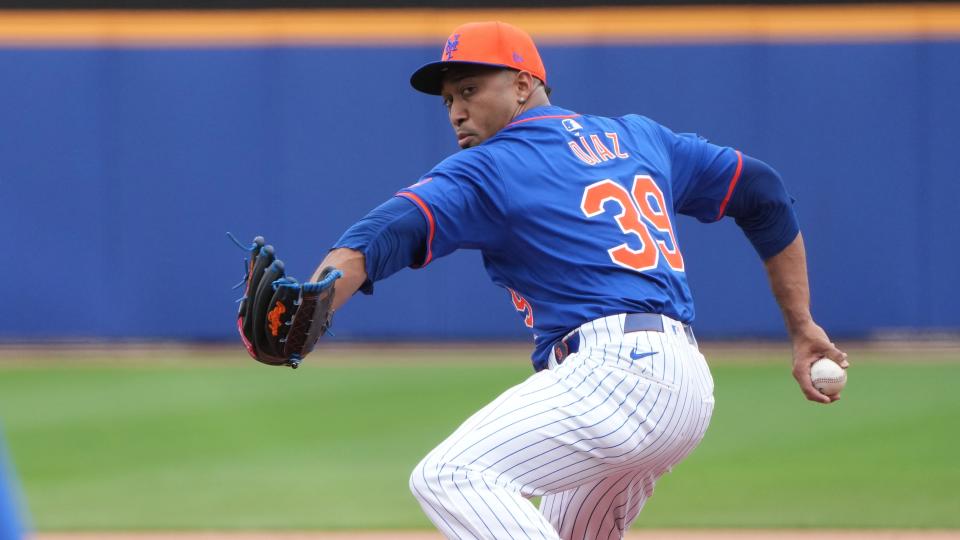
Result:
[[192, 444], [884, 456]]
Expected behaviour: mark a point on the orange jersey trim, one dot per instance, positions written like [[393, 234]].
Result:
[[377, 27], [532, 118], [431, 223], [733, 184]]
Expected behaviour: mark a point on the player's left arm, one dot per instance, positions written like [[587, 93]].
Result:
[[391, 237], [458, 204], [351, 263], [764, 210]]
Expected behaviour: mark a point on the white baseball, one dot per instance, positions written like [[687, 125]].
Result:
[[827, 376]]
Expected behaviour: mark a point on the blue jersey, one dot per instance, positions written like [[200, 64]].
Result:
[[575, 215]]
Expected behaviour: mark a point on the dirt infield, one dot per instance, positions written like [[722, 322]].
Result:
[[637, 535], [946, 349]]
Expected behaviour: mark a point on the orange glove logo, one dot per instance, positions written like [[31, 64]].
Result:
[[274, 317]]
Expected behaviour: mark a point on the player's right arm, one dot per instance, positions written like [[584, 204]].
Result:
[[711, 182], [787, 271], [763, 209]]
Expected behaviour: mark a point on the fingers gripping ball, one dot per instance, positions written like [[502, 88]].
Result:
[[280, 320], [828, 377]]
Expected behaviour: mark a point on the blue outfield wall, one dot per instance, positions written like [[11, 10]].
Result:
[[121, 169]]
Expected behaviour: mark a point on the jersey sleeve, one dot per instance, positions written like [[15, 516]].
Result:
[[391, 237], [703, 175], [462, 200]]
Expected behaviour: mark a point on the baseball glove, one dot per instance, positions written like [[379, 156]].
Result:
[[280, 320]]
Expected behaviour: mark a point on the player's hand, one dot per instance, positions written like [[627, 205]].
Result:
[[280, 319], [809, 345]]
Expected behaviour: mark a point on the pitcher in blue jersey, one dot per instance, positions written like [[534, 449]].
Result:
[[574, 216]]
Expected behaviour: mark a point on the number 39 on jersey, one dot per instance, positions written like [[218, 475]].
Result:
[[643, 213]]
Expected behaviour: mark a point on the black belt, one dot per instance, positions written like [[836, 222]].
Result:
[[633, 322]]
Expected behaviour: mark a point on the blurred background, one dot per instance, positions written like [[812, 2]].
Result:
[[133, 140], [134, 134]]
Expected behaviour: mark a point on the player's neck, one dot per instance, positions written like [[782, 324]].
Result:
[[536, 100]]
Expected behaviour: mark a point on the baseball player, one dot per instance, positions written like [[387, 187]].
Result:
[[575, 218], [10, 525]]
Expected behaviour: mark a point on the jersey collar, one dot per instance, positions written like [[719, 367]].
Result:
[[542, 112]]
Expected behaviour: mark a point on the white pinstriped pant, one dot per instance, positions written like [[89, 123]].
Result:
[[590, 436]]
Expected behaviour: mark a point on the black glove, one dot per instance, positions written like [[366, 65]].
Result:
[[280, 320]]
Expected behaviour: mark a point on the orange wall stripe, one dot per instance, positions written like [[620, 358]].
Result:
[[425, 26]]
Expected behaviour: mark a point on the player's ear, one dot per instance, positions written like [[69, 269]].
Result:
[[524, 86]]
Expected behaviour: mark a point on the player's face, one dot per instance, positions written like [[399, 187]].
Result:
[[480, 102]]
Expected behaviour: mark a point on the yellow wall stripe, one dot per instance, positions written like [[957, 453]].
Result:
[[430, 26]]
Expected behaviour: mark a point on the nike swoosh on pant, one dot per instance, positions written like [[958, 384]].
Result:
[[636, 356]]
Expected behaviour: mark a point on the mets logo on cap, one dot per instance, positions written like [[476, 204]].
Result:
[[451, 46]]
